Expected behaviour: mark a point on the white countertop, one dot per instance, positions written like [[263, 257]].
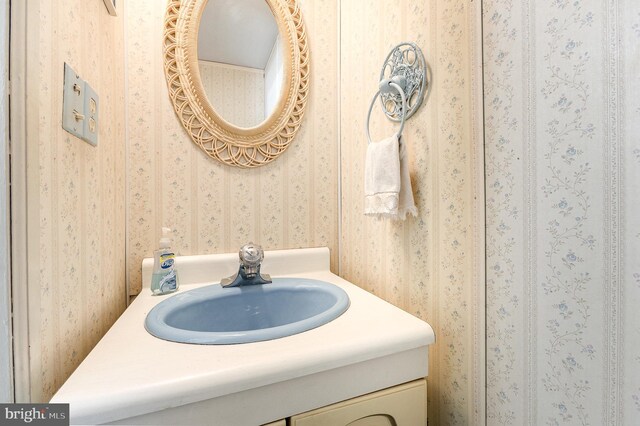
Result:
[[131, 373]]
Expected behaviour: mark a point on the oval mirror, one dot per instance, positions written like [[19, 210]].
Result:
[[236, 119], [240, 60]]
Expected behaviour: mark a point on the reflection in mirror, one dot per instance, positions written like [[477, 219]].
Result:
[[240, 60]]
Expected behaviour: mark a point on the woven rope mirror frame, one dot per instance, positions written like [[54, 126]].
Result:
[[232, 145]]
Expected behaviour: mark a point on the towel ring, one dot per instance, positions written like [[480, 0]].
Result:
[[386, 86], [404, 73]]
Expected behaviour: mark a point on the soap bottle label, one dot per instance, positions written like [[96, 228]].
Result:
[[167, 260]]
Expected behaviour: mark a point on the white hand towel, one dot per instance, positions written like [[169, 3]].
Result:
[[406, 204], [387, 185]]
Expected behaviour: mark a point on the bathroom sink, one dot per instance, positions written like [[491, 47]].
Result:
[[214, 315]]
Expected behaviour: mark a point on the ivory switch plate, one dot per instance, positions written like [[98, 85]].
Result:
[[80, 107]]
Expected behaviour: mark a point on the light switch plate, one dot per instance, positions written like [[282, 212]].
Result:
[[72, 102], [91, 110]]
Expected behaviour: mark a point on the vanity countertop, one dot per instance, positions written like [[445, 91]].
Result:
[[130, 373]]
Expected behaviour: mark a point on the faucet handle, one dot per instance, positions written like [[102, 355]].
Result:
[[251, 256]]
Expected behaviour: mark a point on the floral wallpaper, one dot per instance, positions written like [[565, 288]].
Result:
[[431, 265], [562, 242], [214, 208], [76, 221]]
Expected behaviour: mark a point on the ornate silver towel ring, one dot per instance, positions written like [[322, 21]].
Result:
[[403, 82], [387, 86]]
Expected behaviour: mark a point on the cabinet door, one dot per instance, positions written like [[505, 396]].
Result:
[[403, 405], [278, 423]]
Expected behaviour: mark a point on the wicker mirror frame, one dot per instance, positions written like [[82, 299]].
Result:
[[232, 145]]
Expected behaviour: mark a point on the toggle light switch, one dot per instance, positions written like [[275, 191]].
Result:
[[73, 102]]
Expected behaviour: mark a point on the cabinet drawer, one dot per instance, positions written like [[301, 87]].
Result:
[[403, 405]]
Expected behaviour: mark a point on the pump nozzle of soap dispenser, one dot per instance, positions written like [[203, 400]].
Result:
[[165, 241]]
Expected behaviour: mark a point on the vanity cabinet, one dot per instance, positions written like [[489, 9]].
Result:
[[403, 405], [365, 368]]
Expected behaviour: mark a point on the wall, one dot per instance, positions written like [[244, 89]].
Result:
[[214, 208], [237, 93], [563, 234], [431, 265], [75, 224], [6, 354]]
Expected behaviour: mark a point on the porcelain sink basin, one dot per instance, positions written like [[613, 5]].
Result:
[[213, 315]]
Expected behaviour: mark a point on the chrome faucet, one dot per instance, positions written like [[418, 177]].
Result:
[[251, 256]]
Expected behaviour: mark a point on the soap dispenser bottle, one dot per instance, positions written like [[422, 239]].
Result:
[[165, 277]]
